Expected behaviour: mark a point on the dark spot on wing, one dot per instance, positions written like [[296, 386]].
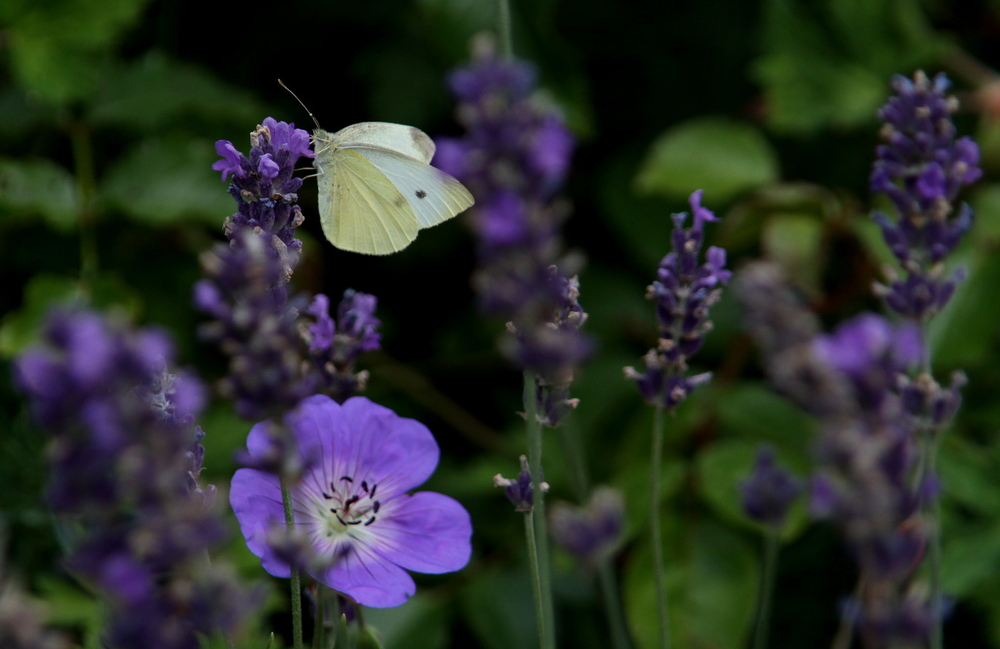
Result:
[[421, 193], [399, 202]]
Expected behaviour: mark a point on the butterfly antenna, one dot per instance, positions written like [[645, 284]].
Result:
[[311, 116]]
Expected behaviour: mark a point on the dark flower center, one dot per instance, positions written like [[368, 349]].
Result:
[[353, 504]]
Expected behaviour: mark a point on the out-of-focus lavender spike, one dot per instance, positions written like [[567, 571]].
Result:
[[770, 490], [125, 458], [868, 479], [593, 532], [513, 158]]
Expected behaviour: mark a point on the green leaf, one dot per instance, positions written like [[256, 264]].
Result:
[[711, 580], [964, 333], [68, 606], [498, 607], [968, 475], [31, 188], [154, 92], [985, 202], [754, 412], [21, 328], [828, 64], [723, 467], [722, 157], [970, 557], [169, 180], [420, 623], [795, 242], [58, 48]]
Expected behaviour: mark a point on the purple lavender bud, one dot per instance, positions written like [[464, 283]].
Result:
[[590, 533], [335, 346], [684, 291], [770, 490], [263, 185], [519, 491], [921, 169]]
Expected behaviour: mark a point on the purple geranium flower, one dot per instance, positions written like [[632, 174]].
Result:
[[351, 503]]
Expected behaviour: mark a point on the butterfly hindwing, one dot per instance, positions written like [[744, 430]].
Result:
[[360, 207], [433, 195]]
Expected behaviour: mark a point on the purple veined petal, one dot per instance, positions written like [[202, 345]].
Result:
[[426, 532], [369, 579], [255, 497], [378, 446]]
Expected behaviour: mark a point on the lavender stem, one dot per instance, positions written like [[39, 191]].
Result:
[[654, 522], [543, 566], [286, 501], [506, 39], [765, 594]]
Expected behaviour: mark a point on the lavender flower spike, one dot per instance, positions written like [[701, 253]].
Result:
[[590, 533], [922, 168], [334, 346], [351, 502], [263, 186], [684, 291]]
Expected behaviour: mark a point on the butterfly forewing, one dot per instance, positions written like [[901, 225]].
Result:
[[360, 208], [434, 195], [408, 140]]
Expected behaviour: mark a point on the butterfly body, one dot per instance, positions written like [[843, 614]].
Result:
[[377, 189]]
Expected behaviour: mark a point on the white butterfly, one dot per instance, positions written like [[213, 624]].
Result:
[[377, 188]]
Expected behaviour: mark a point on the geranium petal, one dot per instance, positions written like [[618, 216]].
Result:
[[426, 532], [379, 447], [256, 499], [369, 579]]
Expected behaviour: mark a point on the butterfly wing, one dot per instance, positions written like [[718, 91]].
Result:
[[433, 195], [408, 140], [360, 208]]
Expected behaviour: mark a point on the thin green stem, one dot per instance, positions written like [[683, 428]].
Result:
[[613, 606], [765, 592], [538, 511], [286, 501], [654, 522], [86, 184], [319, 622], [536, 581], [573, 454], [933, 510], [506, 39]]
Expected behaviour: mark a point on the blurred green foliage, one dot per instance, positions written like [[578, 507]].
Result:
[[108, 114]]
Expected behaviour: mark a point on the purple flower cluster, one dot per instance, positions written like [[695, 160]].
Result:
[[254, 324], [922, 168], [334, 346], [264, 187], [513, 158], [684, 290], [770, 490], [359, 529], [125, 458], [590, 533], [870, 480]]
